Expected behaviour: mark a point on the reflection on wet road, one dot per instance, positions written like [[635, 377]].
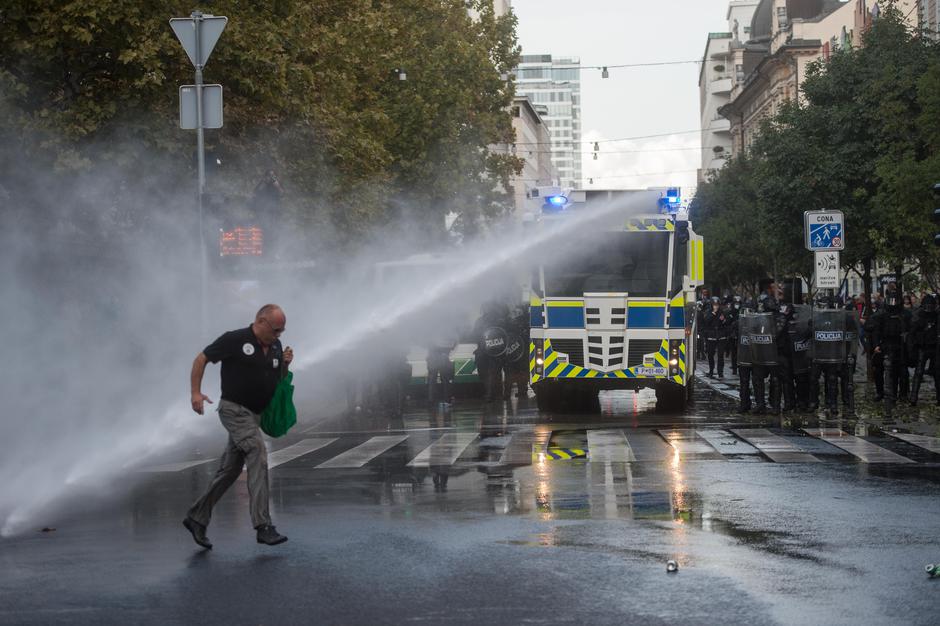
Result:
[[499, 508]]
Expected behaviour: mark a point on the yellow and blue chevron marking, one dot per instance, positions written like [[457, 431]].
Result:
[[553, 368], [565, 454]]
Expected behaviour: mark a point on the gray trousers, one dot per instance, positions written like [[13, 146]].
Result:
[[245, 447]]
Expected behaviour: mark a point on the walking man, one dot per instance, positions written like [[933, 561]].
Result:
[[252, 361]]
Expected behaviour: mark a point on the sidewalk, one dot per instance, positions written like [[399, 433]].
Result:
[[924, 419]]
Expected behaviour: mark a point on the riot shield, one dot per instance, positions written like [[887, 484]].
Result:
[[828, 336], [495, 341], [851, 334], [514, 349], [744, 344], [762, 337], [801, 341]]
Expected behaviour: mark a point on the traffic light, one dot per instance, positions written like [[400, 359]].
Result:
[[936, 211]]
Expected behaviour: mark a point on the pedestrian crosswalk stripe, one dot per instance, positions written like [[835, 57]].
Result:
[[363, 453], [931, 444], [609, 446], [444, 451], [725, 442], [285, 455], [866, 451], [687, 443], [776, 448]]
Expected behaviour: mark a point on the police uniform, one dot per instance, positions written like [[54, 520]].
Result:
[[925, 342], [716, 336], [889, 328], [250, 375]]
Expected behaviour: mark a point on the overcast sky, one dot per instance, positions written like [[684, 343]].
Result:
[[633, 101]]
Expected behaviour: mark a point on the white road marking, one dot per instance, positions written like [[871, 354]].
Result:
[[363, 453], [725, 442], [284, 455], [931, 444], [866, 451], [444, 451], [647, 446], [687, 443], [609, 446], [777, 449]]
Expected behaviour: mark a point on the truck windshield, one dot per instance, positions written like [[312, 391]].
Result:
[[635, 263]]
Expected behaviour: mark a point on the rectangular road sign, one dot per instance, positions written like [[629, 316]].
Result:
[[211, 106], [824, 230], [827, 270]]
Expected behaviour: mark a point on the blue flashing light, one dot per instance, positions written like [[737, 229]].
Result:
[[673, 196], [557, 200]]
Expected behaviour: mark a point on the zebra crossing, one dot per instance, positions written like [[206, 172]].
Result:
[[603, 446]]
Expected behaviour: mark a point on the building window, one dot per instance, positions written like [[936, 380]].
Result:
[[516, 112], [782, 17]]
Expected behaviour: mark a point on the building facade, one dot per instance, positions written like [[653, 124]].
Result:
[[531, 138], [785, 37], [716, 78], [929, 16], [555, 82]]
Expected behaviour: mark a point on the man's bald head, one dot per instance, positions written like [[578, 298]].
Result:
[[270, 322], [267, 310]]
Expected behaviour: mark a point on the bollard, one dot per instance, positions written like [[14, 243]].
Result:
[[672, 567]]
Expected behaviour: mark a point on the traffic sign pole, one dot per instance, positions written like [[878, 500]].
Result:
[[201, 167], [198, 34]]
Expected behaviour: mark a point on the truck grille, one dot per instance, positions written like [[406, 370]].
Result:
[[574, 348], [638, 347]]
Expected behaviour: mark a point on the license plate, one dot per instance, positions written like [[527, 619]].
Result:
[[650, 371]]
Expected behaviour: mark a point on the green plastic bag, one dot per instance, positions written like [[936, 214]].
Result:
[[280, 414]]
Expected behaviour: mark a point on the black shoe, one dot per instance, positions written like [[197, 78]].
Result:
[[198, 531], [721, 374], [879, 397], [267, 534], [710, 375]]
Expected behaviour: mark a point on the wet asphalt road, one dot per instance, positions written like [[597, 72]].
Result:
[[467, 517]]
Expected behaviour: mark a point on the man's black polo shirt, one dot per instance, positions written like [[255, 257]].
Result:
[[249, 376]]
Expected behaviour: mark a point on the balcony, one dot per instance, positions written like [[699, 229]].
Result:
[[719, 125], [721, 85]]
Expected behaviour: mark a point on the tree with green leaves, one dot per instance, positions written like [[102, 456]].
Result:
[[863, 139], [311, 90]]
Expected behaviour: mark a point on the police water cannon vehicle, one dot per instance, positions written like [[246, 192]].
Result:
[[616, 309]]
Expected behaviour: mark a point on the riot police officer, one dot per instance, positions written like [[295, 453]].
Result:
[[701, 307], [716, 336], [517, 366], [924, 332], [733, 311], [889, 329], [829, 348], [763, 336], [492, 342], [742, 352], [800, 358], [847, 373]]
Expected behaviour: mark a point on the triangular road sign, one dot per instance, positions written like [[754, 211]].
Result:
[[211, 27]]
